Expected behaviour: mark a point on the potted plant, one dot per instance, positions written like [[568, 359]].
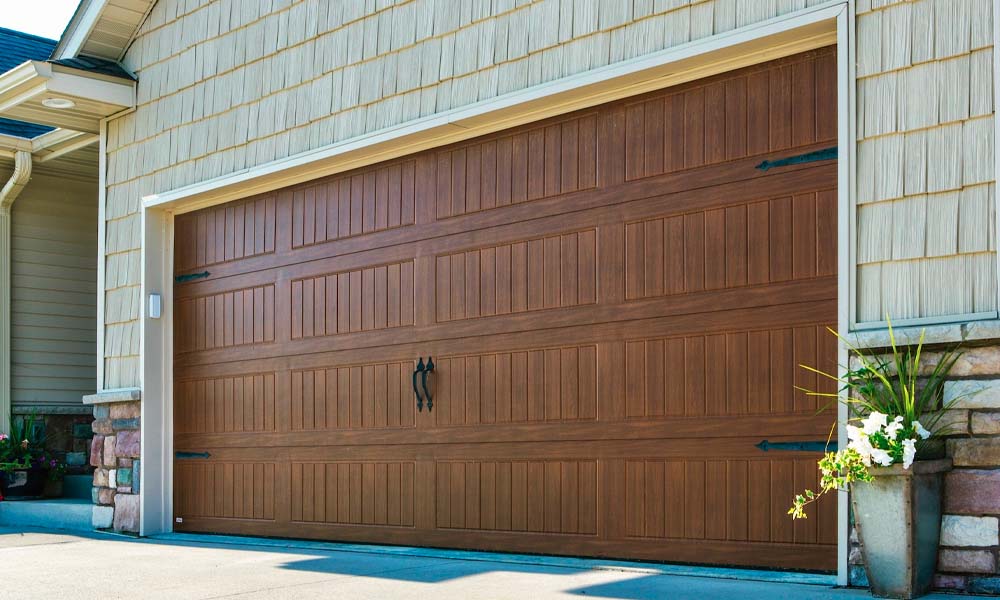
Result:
[[893, 464], [55, 472], [21, 476]]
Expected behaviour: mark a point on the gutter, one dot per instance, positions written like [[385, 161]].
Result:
[[9, 193], [17, 181]]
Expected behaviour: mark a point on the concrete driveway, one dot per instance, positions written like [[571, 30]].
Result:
[[49, 565]]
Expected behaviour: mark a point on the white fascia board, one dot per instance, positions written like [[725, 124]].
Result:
[[781, 36], [11, 144], [79, 30], [52, 138], [72, 144], [70, 82], [20, 84]]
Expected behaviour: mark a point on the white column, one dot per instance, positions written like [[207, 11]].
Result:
[[9, 192]]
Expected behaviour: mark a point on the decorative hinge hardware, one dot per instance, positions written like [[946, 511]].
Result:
[[191, 277], [824, 154], [807, 446]]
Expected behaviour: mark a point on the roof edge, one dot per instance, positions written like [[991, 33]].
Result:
[[78, 29]]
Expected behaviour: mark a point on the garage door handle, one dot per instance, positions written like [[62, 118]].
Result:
[[416, 392], [427, 394]]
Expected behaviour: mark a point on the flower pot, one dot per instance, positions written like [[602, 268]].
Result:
[[898, 518], [53, 487], [23, 484]]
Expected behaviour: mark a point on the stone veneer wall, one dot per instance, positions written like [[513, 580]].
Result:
[[969, 557], [115, 451]]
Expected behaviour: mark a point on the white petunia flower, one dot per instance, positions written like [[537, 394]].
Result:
[[864, 449], [892, 429], [923, 433], [881, 457], [875, 422], [909, 452], [854, 433]]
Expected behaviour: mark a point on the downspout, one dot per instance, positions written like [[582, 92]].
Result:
[[9, 193]]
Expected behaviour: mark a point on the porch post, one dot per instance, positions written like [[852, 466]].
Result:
[[9, 193]]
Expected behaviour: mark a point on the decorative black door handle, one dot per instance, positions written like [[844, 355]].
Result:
[[423, 381], [416, 392]]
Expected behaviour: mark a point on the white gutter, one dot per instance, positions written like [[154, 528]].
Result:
[[9, 193]]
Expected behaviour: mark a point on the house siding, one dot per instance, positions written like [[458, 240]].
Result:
[[225, 86], [925, 168], [53, 293]]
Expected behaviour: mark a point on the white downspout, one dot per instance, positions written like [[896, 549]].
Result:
[[9, 193]]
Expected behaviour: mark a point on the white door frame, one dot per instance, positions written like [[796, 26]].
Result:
[[807, 29]]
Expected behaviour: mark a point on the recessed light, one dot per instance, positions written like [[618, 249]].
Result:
[[58, 103]]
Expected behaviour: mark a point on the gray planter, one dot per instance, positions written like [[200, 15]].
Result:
[[898, 516]]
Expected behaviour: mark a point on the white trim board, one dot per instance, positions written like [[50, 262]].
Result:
[[996, 138], [102, 194], [797, 32], [79, 29], [846, 232]]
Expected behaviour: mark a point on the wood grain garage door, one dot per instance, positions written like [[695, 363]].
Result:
[[616, 302]]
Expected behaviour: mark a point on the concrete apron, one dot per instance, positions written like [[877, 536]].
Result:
[[645, 568]]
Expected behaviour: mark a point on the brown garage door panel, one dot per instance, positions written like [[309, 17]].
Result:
[[541, 385], [556, 271], [353, 397], [368, 299], [237, 404], [535, 163], [236, 317], [788, 238], [726, 373], [757, 111], [353, 493], [617, 302], [719, 500], [518, 495], [364, 202], [233, 232], [227, 490]]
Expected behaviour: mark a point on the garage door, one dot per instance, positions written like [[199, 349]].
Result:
[[615, 301]]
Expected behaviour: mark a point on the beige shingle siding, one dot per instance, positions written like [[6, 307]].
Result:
[[926, 171], [54, 287], [226, 85]]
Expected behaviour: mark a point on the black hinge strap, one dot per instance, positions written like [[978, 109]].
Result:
[[191, 277], [183, 455], [816, 155], [810, 446]]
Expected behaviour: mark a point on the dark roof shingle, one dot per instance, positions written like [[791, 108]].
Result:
[[15, 48], [95, 65]]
